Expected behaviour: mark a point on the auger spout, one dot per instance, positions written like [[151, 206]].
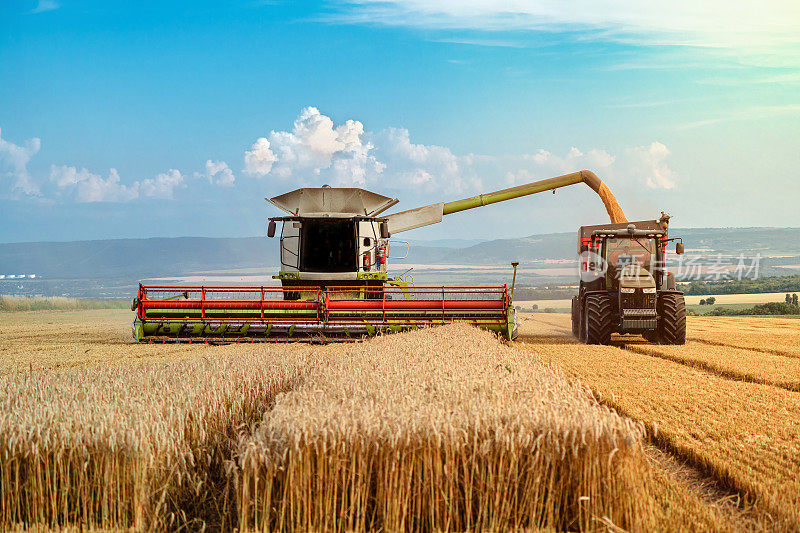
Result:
[[431, 214]]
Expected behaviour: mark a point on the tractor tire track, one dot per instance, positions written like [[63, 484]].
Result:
[[770, 351], [713, 487], [711, 368], [679, 463]]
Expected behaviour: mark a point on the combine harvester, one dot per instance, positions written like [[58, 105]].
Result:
[[334, 278]]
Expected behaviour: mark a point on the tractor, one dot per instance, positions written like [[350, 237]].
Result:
[[625, 287]]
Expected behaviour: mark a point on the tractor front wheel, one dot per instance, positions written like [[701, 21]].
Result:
[[599, 317], [672, 319]]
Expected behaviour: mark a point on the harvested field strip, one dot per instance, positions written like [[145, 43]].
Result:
[[442, 429], [687, 499], [138, 447], [746, 435], [773, 351], [774, 335], [731, 363], [557, 321]]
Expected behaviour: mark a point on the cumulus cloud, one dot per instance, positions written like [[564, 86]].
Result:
[[89, 187], [315, 147], [218, 172], [650, 163], [316, 151], [259, 159], [162, 186], [14, 164], [429, 166]]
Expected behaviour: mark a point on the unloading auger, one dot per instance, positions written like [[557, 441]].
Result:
[[334, 280]]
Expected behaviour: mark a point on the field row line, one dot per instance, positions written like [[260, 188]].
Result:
[[716, 370], [754, 349], [720, 489]]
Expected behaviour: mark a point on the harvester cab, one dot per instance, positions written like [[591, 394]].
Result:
[[625, 286], [334, 276], [332, 237]]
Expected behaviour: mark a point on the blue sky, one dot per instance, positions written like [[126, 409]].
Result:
[[140, 121]]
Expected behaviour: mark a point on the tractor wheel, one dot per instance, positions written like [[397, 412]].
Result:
[[672, 323], [599, 316], [576, 317]]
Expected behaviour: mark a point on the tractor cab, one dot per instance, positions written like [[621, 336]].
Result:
[[628, 257]]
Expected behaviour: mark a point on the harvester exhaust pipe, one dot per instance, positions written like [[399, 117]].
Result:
[[514, 264], [431, 214]]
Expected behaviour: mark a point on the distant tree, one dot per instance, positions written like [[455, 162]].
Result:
[[794, 299], [710, 300], [702, 302], [788, 298]]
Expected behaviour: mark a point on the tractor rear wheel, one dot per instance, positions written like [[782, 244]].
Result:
[[599, 319], [672, 321]]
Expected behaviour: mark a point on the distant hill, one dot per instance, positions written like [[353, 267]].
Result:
[[706, 241], [142, 258], [139, 258]]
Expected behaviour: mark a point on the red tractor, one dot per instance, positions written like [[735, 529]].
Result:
[[625, 287]]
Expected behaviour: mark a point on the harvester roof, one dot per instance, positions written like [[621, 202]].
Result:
[[332, 202]]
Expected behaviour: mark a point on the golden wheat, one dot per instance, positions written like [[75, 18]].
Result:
[[129, 447], [735, 363], [746, 434], [443, 429], [769, 335]]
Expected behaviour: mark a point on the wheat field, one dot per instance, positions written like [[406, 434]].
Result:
[[446, 429], [730, 415]]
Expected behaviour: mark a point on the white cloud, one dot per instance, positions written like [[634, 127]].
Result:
[[258, 161], [45, 5], [14, 164], [711, 23], [650, 163], [89, 187], [409, 164], [315, 147], [218, 172], [162, 186], [316, 152]]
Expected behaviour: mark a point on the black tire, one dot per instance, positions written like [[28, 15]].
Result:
[[576, 317], [599, 319], [672, 319]]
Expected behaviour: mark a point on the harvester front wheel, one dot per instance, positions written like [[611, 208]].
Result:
[[599, 319], [672, 322]]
